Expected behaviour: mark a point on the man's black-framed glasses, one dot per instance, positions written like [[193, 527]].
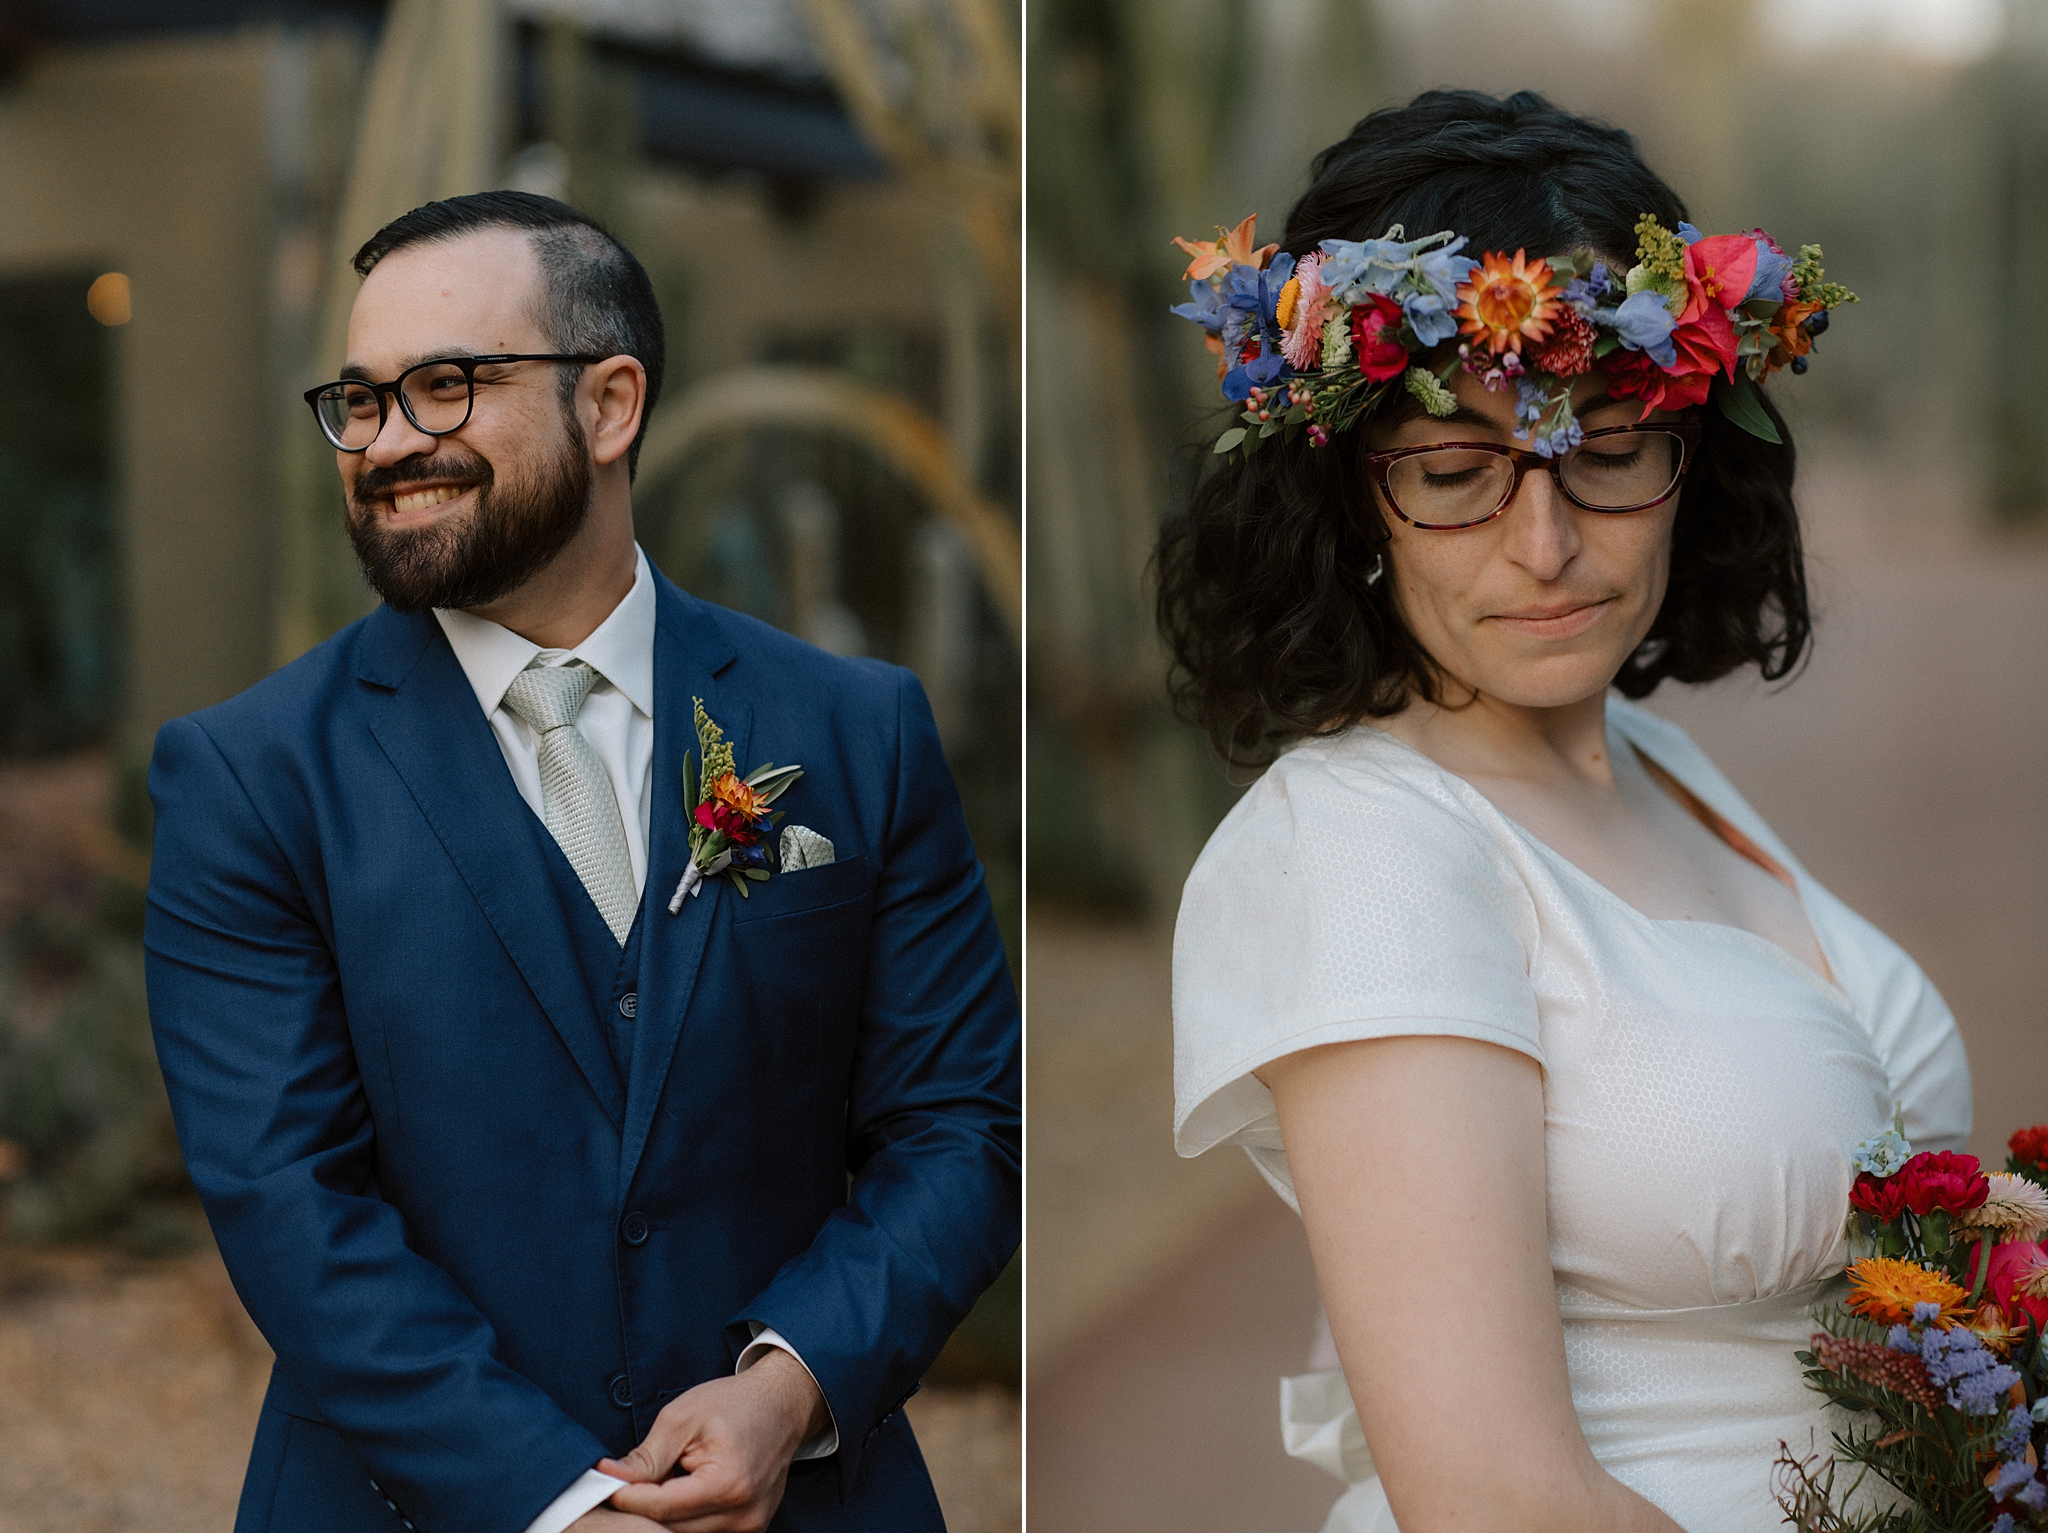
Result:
[[436, 396], [1449, 485]]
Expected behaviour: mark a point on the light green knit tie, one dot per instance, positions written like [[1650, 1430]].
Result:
[[581, 811]]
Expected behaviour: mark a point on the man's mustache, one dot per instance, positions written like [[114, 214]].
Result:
[[447, 467]]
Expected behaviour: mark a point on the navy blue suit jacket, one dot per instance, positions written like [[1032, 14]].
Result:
[[484, 1258]]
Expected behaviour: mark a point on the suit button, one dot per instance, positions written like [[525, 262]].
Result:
[[628, 1004], [622, 1392], [633, 1229]]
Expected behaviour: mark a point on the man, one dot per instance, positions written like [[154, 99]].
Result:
[[564, 1203]]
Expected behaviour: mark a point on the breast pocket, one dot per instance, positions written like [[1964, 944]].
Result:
[[806, 890]]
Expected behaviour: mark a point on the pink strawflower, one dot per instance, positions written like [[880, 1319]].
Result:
[[1302, 341]]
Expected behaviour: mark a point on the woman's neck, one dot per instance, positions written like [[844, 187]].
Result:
[[1563, 745]]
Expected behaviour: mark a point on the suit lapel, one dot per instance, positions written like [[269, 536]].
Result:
[[441, 745], [691, 648]]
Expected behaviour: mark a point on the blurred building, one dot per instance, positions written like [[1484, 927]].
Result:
[[182, 181]]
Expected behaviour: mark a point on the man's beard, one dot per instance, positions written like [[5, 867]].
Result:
[[510, 533]]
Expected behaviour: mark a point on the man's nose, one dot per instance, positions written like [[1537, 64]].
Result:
[[398, 439]]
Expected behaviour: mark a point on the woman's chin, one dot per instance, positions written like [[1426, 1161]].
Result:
[[1562, 681]]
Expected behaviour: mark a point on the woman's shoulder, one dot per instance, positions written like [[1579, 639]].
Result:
[[1359, 788], [1354, 892]]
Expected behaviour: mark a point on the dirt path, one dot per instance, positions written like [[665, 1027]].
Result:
[[129, 1393]]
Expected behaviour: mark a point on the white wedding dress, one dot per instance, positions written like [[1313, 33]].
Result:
[[1702, 1088]]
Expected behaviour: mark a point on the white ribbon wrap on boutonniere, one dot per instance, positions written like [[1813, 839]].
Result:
[[729, 814]]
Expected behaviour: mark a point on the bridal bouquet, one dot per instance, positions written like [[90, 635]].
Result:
[[1938, 1349]]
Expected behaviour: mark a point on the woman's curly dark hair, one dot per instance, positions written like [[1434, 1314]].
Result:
[[1262, 595]]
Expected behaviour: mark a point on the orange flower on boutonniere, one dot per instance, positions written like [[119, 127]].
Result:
[[729, 813]]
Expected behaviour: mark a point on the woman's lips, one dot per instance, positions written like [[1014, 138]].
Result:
[[1554, 622]]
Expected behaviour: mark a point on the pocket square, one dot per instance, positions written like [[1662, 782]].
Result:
[[803, 847]]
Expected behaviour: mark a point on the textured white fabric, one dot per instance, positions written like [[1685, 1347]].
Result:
[[617, 718], [803, 847], [1702, 1087], [581, 812]]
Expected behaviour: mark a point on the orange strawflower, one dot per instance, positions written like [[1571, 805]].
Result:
[[1995, 1331], [1508, 302], [731, 791], [1885, 1289]]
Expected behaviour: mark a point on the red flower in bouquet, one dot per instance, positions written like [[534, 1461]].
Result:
[[1884, 1200], [2018, 1279], [1938, 1179], [1373, 328], [2030, 1146]]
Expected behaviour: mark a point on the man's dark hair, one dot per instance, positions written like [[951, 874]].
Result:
[[594, 296], [1262, 591]]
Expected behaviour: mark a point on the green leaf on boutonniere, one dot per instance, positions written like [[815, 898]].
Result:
[[758, 875], [738, 882], [770, 781], [693, 791]]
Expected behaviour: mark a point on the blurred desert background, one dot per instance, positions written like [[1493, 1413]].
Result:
[[826, 194], [1906, 764]]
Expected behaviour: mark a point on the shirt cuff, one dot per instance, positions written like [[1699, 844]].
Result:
[[591, 1489], [826, 1443]]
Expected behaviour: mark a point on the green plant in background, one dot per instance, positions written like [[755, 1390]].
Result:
[[82, 1103]]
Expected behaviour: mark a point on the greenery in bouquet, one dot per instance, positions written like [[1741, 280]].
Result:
[[1937, 1351]]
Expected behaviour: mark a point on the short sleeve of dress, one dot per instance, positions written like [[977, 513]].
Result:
[[1342, 898]]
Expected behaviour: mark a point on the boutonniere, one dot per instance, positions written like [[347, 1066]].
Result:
[[729, 813]]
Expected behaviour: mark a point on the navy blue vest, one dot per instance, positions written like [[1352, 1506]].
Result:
[[610, 972]]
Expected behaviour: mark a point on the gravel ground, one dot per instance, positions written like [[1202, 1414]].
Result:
[[129, 1392]]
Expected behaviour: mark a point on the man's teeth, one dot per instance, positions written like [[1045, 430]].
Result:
[[419, 500]]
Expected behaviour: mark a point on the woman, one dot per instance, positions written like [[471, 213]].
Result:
[[1556, 1048]]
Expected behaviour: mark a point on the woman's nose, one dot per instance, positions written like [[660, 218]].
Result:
[[1541, 533]]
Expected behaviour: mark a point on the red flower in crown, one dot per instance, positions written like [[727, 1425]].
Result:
[[1938, 1179], [1635, 375], [2030, 1146], [1884, 1200], [1374, 326]]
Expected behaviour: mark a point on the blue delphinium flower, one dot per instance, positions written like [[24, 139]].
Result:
[[1430, 317], [1688, 233], [1901, 1339], [1442, 270], [1926, 1312], [1353, 268], [1769, 282], [2003, 1523], [1583, 292], [2018, 1433], [1254, 294], [1209, 309], [1644, 323], [1880, 1154], [2032, 1495]]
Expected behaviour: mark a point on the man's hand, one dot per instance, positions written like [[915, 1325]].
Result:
[[733, 1440]]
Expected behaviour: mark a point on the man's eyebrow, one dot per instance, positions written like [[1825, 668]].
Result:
[[355, 372]]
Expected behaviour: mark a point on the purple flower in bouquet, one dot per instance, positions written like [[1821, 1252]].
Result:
[[1959, 1364], [2019, 1432]]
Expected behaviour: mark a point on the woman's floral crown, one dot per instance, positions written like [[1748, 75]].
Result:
[[1315, 345]]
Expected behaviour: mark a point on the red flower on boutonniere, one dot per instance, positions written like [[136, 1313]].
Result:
[[729, 813]]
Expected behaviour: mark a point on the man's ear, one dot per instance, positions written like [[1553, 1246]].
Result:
[[617, 387]]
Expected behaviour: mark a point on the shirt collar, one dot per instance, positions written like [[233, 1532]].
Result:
[[620, 649]]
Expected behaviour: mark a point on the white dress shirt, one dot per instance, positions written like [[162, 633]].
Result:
[[617, 719]]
